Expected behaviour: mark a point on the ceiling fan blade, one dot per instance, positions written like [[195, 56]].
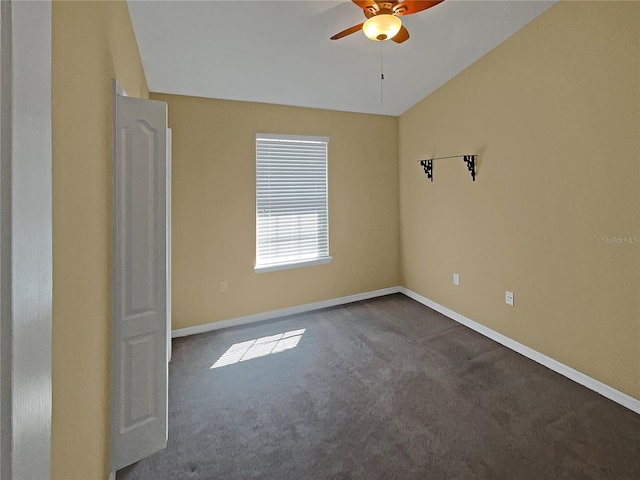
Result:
[[348, 31], [413, 6], [401, 36]]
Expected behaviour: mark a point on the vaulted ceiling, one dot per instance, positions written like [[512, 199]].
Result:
[[279, 51]]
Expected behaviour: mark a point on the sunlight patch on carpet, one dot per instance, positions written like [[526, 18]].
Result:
[[259, 347]]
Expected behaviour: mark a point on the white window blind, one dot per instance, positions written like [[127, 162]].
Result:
[[292, 225]]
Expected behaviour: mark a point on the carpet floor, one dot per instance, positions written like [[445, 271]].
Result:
[[380, 389]]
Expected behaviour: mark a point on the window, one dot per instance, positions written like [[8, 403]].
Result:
[[292, 224]]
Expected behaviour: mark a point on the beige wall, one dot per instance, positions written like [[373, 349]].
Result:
[[92, 43], [214, 208], [554, 115]]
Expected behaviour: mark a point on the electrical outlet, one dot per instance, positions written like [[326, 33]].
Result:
[[224, 286], [456, 279], [509, 298]]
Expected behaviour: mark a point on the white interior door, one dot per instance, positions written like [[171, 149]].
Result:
[[25, 237], [140, 241]]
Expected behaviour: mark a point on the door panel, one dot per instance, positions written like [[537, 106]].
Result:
[[140, 240]]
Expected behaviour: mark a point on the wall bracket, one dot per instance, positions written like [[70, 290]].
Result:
[[428, 168], [470, 160]]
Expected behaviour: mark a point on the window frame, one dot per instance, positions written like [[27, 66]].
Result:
[[270, 267]]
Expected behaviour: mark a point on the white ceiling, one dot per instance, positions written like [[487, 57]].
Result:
[[279, 51]]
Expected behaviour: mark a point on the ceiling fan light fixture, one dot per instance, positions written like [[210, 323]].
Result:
[[382, 27]]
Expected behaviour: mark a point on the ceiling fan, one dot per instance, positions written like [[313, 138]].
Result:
[[383, 18]]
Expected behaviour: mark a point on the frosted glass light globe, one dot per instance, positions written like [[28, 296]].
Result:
[[382, 27]]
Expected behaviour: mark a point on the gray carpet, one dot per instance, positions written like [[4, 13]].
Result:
[[381, 389]]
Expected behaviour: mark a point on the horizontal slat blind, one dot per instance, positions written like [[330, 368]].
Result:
[[291, 200]]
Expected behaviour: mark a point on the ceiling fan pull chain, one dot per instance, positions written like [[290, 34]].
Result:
[[381, 71]]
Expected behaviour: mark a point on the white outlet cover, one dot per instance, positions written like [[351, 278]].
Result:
[[456, 279], [509, 298]]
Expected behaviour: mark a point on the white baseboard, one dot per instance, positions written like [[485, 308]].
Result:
[[578, 377], [259, 317]]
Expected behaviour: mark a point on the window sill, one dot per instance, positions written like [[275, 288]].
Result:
[[287, 266]]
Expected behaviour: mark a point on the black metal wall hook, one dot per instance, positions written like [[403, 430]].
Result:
[[470, 160], [428, 168]]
